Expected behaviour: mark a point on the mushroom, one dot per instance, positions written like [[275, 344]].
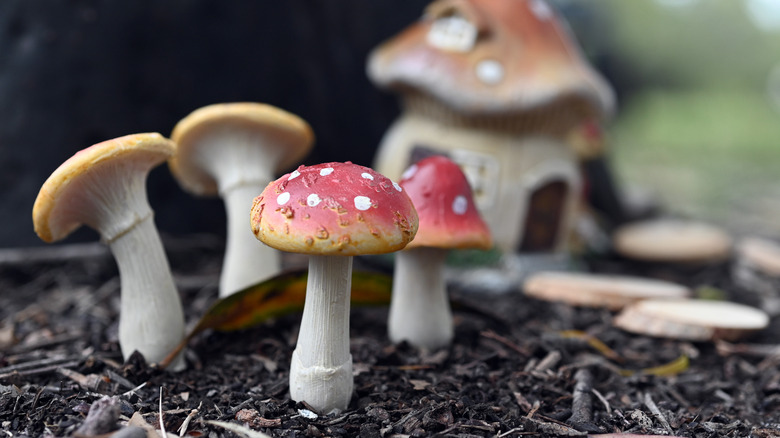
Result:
[[234, 150], [419, 309], [496, 85], [331, 212], [104, 187]]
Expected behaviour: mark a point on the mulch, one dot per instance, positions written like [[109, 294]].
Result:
[[518, 366]]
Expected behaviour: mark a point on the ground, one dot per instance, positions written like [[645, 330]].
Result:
[[518, 366]]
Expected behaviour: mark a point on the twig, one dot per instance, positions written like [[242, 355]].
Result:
[[132, 391], [549, 361], [241, 431], [114, 377], [45, 344], [184, 425], [581, 407], [91, 382], [516, 430], [533, 410], [768, 363], [163, 433], [496, 337], [553, 428], [522, 401], [657, 413], [38, 371], [603, 400], [721, 394], [757, 350], [55, 253], [457, 426], [35, 363]]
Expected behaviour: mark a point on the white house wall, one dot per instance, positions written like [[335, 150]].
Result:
[[504, 169]]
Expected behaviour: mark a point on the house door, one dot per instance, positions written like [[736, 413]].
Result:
[[544, 217]]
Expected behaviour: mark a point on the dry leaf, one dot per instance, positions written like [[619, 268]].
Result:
[[279, 296]]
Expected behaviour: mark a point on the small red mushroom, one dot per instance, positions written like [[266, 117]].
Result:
[[419, 310], [327, 210]]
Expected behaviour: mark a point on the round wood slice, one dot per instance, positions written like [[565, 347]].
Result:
[[693, 320], [673, 241], [761, 254], [598, 290]]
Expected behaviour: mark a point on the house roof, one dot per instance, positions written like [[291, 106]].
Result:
[[489, 57]]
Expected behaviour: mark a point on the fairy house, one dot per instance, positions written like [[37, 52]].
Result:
[[498, 86]]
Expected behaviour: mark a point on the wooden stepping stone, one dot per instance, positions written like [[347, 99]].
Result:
[[760, 254], [693, 320], [672, 241], [598, 290], [756, 270]]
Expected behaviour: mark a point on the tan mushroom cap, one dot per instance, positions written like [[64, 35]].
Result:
[[292, 136], [672, 241], [599, 290], [523, 57], [78, 188], [695, 320]]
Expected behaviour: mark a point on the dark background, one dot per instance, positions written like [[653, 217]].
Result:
[[74, 73]]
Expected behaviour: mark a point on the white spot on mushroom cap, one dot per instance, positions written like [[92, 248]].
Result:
[[283, 198], [397, 187], [293, 175], [490, 71], [459, 205], [367, 175], [326, 171], [312, 200], [409, 172], [362, 203], [541, 9]]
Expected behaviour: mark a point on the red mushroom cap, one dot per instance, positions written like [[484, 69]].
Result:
[[334, 208], [444, 203]]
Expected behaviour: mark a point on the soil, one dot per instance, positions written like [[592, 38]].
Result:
[[518, 366]]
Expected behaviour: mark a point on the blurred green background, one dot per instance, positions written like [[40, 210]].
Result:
[[698, 119]]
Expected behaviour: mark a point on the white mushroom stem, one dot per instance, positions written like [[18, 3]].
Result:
[[247, 261], [242, 166], [420, 310], [321, 368], [151, 318]]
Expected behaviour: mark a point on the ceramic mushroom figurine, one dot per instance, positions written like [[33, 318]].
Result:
[[234, 150], [331, 211], [420, 310], [496, 85], [104, 187]]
